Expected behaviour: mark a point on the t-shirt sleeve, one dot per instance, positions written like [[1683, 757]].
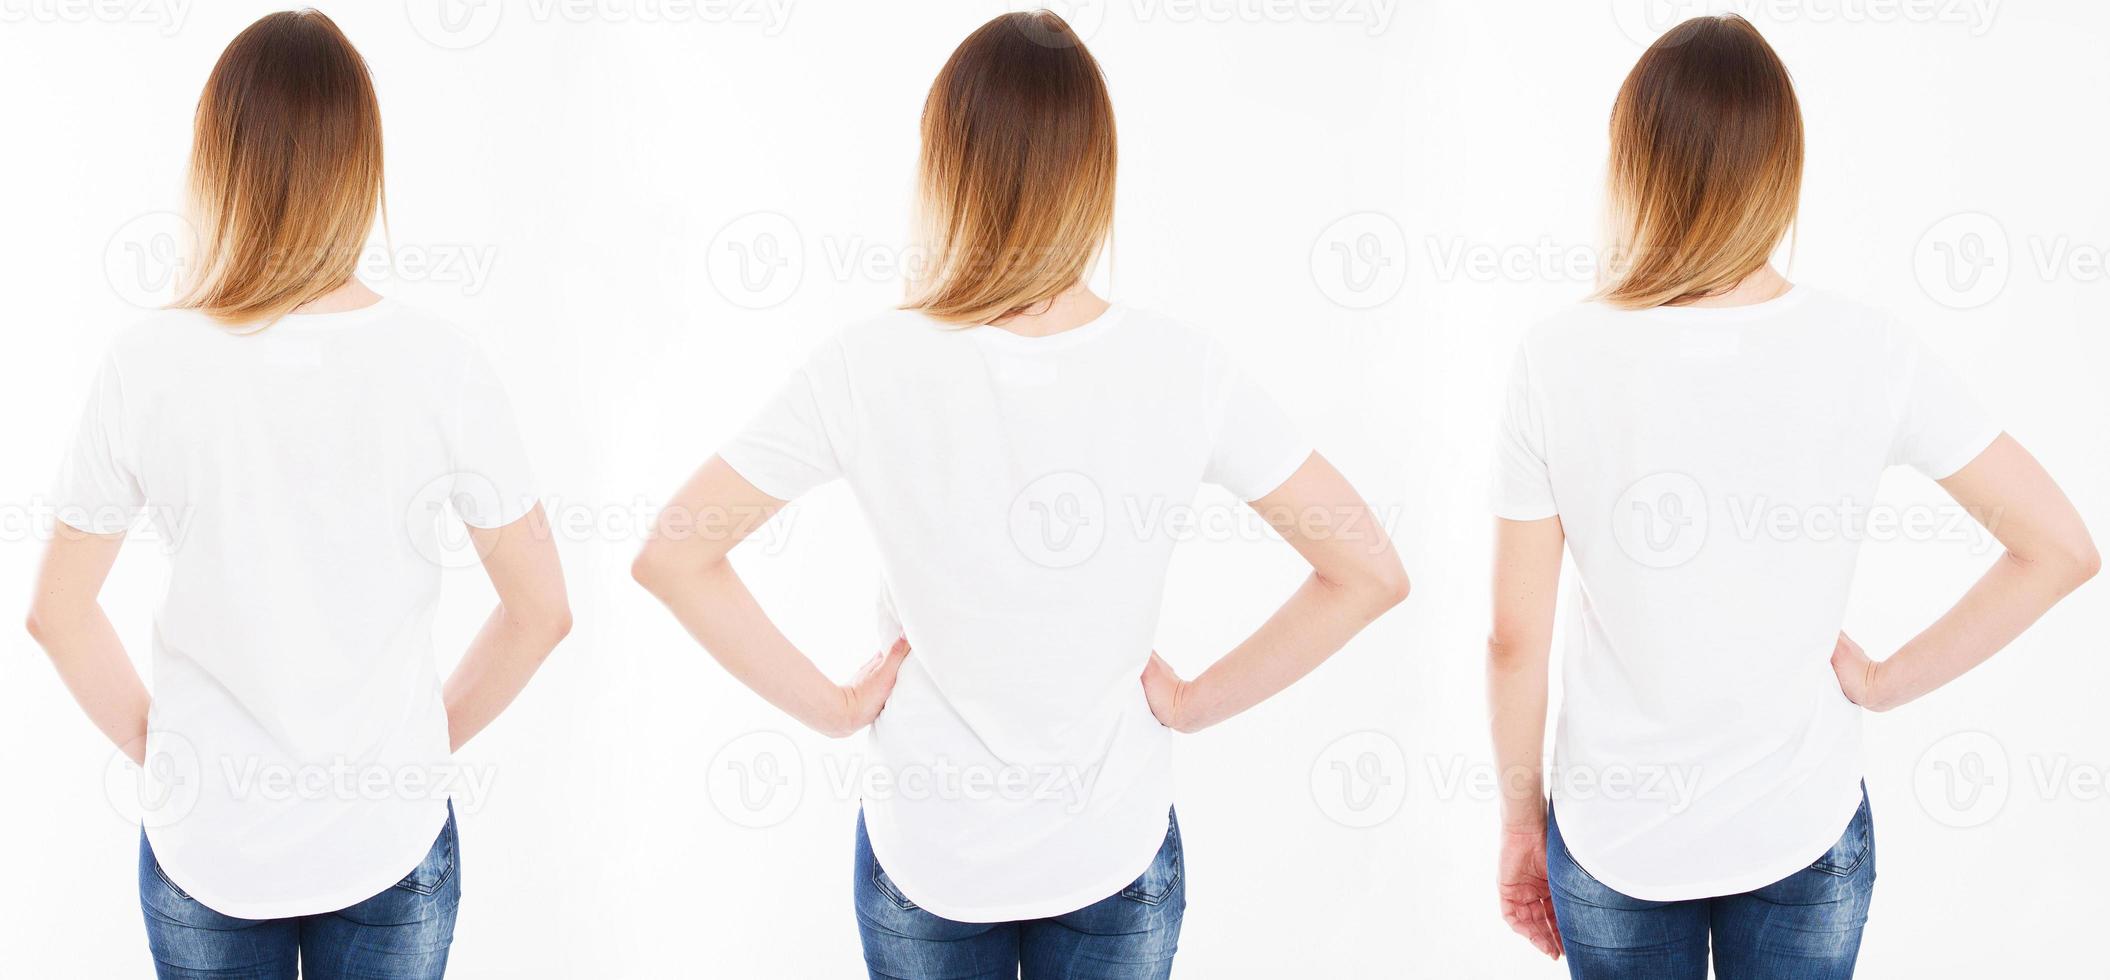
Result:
[[1940, 427], [1253, 446], [97, 490], [1523, 488], [793, 444], [494, 484]]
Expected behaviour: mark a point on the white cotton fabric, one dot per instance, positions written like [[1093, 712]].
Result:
[[1714, 470], [298, 753], [1014, 486]]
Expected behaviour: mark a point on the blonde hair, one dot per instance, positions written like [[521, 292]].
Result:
[[285, 170], [1706, 164], [1016, 178]]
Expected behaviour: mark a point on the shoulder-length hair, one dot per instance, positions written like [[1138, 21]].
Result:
[[1016, 177], [285, 170], [1706, 164]]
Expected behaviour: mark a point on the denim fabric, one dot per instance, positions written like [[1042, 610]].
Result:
[[1131, 935], [401, 934], [1806, 926]]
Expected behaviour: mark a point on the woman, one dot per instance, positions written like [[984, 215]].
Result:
[[996, 430], [283, 423], [1707, 788]]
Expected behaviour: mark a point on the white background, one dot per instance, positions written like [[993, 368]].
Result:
[[597, 158]]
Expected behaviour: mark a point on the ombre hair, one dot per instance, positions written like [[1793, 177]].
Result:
[[1016, 178], [1706, 164], [285, 170]]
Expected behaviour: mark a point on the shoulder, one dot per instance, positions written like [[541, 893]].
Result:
[[163, 331], [1849, 316], [418, 328], [886, 332], [1584, 324], [1150, 326]]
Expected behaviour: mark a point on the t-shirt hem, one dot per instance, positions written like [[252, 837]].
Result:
[[1718, 887], [1512, 512], [753, 474], [1954, 462], [1067, 902], [1277, 475], [63, 516], [507, 516], [331, 901]]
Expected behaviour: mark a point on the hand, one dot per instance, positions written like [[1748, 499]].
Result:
[[1165, 691], [1858, 675], [1526, 895], [865, 696]]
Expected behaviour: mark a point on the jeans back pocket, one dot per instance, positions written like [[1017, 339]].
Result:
[[1852, 848], [1163, 876], [432, 873]]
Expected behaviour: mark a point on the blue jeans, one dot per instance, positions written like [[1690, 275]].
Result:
[[1806, 926], [401, 934], [1128, 936]]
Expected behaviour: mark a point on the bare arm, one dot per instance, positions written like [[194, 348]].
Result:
[[532, 617], [1519, 649], [685, 565], [69, 624], [2049, 554], [1355, 577]]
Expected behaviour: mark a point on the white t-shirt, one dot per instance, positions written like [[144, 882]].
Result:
[[297, 755], [1014, 486], [1714, 470]]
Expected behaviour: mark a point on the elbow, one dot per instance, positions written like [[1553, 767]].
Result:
[[2084, 563], [1388, 584], [649, 569], [1392, 587], [556, 624], [1375, 590], [45, 623], [545, 619], [2073, 563], [1506, 654]]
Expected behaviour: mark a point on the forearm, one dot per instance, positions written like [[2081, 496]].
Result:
[[91, 661], [501, 660], [2012, 595], [1517, 708], [717, 609], [1314, 624]]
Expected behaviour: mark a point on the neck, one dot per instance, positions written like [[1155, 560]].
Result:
[[1073, 307], [349, 295], [1758, 287]]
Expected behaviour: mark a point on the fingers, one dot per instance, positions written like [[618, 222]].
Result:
[[1533, 920], [1551, 925]]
